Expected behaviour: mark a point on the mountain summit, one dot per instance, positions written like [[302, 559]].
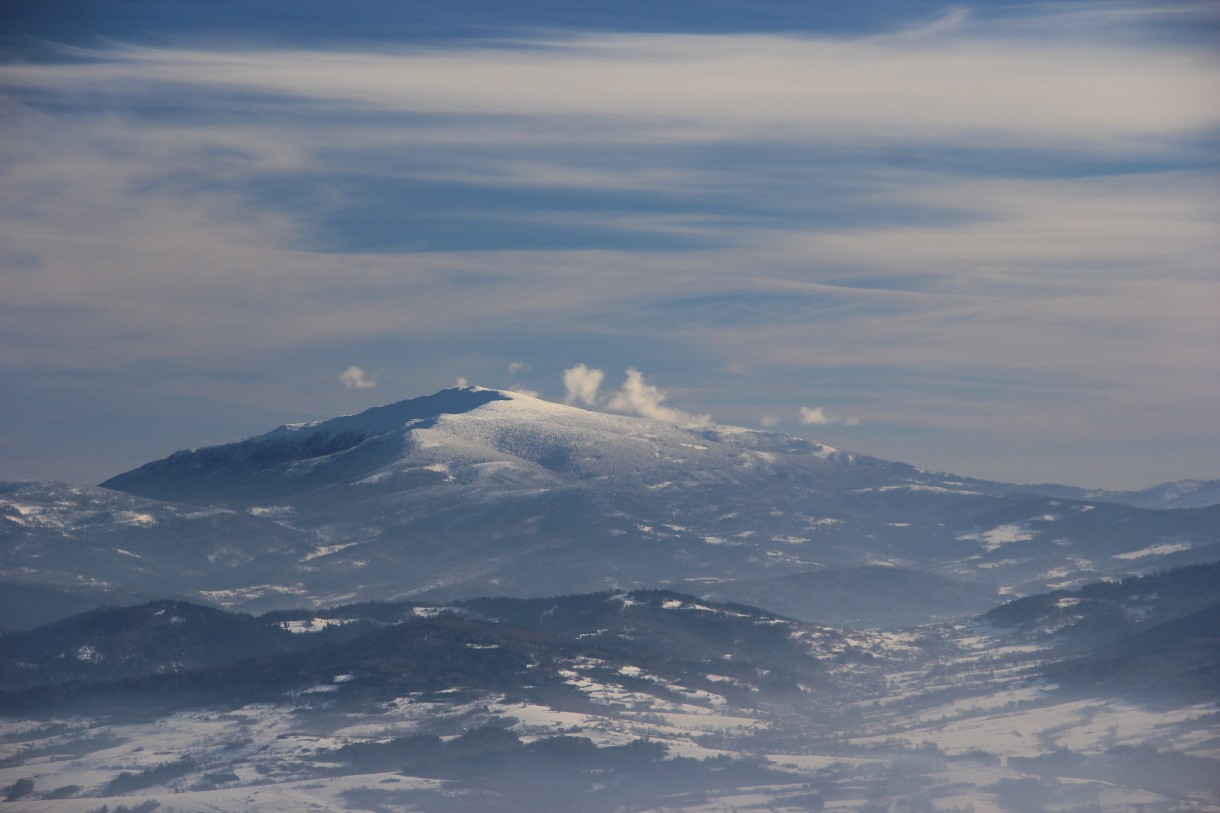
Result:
[[471, 434]]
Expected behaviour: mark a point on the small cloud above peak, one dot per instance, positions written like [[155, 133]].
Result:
[[817, 416], [355, 378], [636, 396], [641, 398], [582, 384]]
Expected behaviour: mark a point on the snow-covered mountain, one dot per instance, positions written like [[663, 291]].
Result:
[[501, 441], [473, 491]]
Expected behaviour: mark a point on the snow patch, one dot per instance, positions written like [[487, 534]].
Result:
[[1155, 550], [314, 624], [998, 536]]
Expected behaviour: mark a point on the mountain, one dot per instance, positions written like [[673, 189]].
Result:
[[1104, 612], [1178, 494], [1153, 637], [123, 642], [473, 492], [164, 655], [1176, 659]]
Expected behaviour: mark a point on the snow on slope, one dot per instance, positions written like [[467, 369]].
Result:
[[472, 434], [528, 436]]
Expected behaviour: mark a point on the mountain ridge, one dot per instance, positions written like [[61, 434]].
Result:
[[472, 492]]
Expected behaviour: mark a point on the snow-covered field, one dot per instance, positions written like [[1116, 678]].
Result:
[[937, 718]]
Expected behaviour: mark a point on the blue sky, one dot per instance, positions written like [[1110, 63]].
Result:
[[976, 238]]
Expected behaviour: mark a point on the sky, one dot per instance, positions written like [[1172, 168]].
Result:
[[976, 238]]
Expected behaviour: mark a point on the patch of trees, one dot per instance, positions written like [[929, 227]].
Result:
[[128, 782]]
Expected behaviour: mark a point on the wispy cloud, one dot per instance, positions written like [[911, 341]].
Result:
[[960, 81]]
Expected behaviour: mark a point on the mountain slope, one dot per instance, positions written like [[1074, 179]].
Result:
[[73, 536], [1177, 659], [297, 457], [1100, 613], [171, 654], [118, 643]]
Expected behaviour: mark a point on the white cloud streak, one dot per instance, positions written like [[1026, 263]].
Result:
[[951, 83]]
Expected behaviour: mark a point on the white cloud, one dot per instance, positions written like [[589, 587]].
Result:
[[641, 398], [816, 416], [635, 396], [582, 384], [768, 421], [518, 367], [355, 378], [462, 382]]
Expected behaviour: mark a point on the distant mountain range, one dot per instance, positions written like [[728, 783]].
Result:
[[662, 699], [173, 654], [473, 492]]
